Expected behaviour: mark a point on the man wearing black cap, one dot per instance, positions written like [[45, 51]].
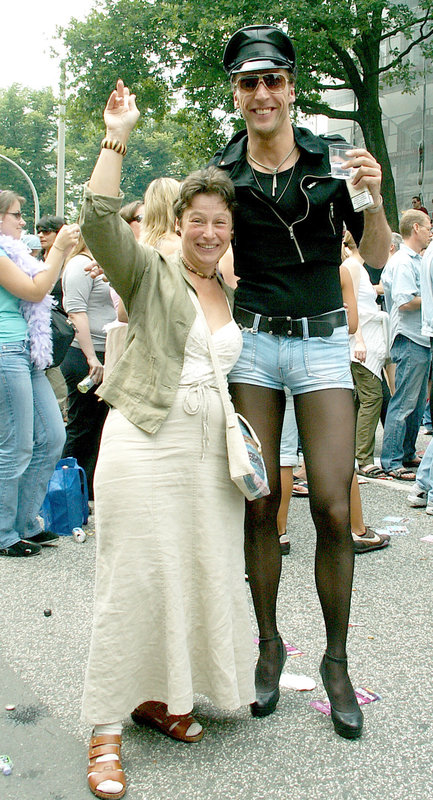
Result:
[[288, 232]]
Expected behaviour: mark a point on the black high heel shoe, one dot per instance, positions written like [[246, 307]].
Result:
[[347, 724], [266, 702]]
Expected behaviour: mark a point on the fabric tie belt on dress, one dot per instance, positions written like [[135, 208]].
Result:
[[197, 399], [322, 325]]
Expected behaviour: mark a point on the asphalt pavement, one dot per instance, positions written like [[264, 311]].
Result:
[[294, 753]]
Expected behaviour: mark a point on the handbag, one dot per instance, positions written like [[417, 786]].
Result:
[[66, 503], [246, 464], [63, 332]]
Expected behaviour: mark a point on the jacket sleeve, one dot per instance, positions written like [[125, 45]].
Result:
[[112, 242]]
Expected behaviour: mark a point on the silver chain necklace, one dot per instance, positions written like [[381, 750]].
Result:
[[275, 179], [272, 170]]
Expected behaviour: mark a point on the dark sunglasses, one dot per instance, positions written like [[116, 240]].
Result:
[[274, 81], [138, 218]]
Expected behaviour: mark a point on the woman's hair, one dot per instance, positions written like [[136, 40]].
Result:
[[49, 223], [7, 197], [78, 248], [205, 181], [349, 241], [159, 216], [129, 212]]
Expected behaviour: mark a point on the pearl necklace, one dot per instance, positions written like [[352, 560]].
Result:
[[197, 272], [272, 170]]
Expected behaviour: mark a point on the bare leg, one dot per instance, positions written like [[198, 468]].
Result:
[[356, 518], [286, 477]]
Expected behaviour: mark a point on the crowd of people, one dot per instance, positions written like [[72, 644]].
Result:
[[262, 257]]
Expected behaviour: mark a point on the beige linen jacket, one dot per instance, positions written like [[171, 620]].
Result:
[[154, 290]]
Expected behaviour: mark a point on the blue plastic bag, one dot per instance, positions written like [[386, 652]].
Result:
[[66, 503]]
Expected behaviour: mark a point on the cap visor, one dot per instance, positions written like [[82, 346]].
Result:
[[255, 66]]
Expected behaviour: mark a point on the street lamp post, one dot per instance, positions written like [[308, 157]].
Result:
[[60, 192], [31, 184]]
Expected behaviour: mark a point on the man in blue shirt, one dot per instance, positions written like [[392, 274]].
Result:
[[410, 349], [422, 494]]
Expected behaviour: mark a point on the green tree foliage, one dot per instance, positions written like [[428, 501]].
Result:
[[171, 45], [28, 131]]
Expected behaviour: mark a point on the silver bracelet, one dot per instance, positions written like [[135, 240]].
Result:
[[375, 209]]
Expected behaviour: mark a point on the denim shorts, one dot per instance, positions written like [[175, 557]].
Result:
[[301, 364]]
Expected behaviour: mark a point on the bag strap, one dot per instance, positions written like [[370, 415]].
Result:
[[221, 380]]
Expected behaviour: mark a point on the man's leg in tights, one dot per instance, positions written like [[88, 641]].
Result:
[[264, 409], [326, 424]]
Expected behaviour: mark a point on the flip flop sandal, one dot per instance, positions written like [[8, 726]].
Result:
[[369, 541], [100, 771], [372, 472], [154, 713], [402, 474], [300, 488]]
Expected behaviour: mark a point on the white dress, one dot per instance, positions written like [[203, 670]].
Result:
[[374, 326], [171, 617]]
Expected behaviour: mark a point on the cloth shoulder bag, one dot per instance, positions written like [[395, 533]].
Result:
[[246, 464]]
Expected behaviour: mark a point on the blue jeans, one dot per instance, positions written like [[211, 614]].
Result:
[[406, 407], [32, 435], [424, 475]]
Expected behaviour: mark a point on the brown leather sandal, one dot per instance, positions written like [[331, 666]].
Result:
[[154, 713], [99, 771]]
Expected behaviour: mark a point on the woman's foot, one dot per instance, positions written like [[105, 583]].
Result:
[[345, 712], [269, 667], [182, 727], [105, 775]]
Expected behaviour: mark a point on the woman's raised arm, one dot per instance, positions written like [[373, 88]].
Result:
[[120, 116]]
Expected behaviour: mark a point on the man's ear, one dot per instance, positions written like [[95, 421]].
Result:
[[177, 227], [235, 99]]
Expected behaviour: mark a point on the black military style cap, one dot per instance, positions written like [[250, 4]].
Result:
[[258, 47]]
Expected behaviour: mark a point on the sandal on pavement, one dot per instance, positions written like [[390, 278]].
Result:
[[371, 471], [300, 488], [402, 474], [155, 714], [284, 544], [99, 771], [370, 540]]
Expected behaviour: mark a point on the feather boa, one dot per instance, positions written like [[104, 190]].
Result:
[[37, 315]]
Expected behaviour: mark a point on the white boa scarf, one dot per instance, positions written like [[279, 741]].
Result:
[[37, 315]]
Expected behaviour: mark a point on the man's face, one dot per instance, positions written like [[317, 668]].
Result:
[[416, 204], [265, 112]]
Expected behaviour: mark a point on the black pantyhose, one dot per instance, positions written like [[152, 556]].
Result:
[[326, 425], [264, 409]]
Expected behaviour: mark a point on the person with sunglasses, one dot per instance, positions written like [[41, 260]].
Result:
[[32, 433], [132, 213], [288, 304]]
